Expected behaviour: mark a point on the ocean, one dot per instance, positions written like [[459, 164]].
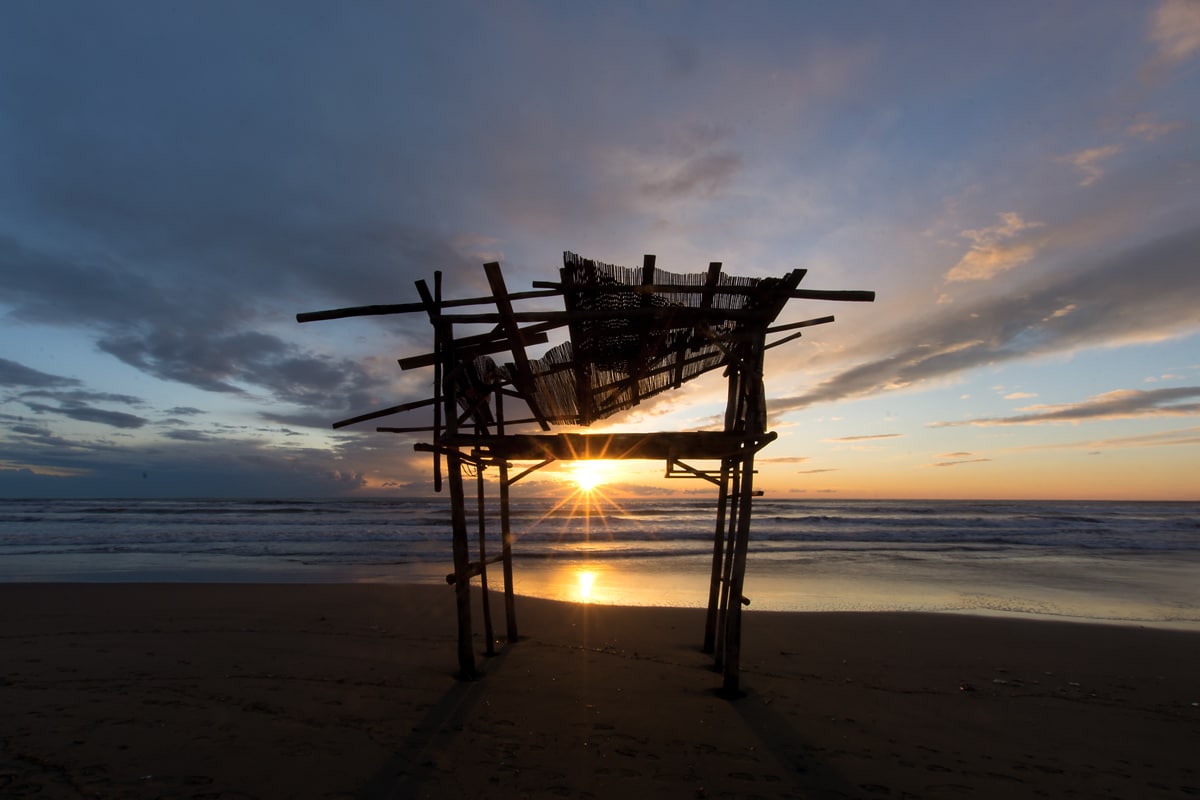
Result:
[[1117, 562]]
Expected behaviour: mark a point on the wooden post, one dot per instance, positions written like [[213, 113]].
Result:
[[510, 607], [714, 582], [727, 560], [756, 422], [714, 620], [490, 644], [458, 513]]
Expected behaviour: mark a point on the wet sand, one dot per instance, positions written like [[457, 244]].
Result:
[[348, 691]]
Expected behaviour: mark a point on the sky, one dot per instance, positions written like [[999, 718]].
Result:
[[1018, 182]]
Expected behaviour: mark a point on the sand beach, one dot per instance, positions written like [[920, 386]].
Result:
[[348, 691]]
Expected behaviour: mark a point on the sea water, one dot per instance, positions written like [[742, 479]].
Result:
[[1122, 562]]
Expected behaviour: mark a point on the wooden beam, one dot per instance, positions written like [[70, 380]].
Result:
[[823, 294], [808, 323], [383, 412], [410, 308], [534, 334], [508, 321], [616, 446], [685, 315]]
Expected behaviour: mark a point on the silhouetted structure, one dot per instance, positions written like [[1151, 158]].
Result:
[[632, 334]]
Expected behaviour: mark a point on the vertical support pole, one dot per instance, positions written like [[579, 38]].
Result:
[[510, 606], [727, 561], [490, 645], [714, 581], [755, 409], [714, 619], [458, 512]]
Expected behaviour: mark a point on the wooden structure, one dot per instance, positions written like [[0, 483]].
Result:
[[632, 333]]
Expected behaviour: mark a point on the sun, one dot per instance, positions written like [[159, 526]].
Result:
[[590, 475]]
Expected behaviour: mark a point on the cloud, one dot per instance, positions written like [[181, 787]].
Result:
[[86, 413], [1185, 437], [991, 251], [1146, 293], [959, 463], [865, 437], [704, 176], [1175, 29], [1150, 130], [14, 374], [1088, 162], [1119, 404], [815, 471], [1020, 395], [195, 335]]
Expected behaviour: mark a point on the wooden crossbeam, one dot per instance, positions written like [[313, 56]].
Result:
[[410, 308], [673, 445], [684, 314], [851, 296], [383, 412], [508, 321]]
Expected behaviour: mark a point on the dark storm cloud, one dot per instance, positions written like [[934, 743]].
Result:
[[1146, 292]]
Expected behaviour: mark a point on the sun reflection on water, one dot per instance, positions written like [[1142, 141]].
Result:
[[586, 579]]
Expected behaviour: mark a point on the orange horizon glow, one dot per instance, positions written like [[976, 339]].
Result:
[[590, 475]]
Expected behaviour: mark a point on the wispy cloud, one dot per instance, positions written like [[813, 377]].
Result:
[[992, 250], [1144, 294], [1177, 437], [1149, 130], [1089, 161], [865, 437], [959, 462], [1120, 404], [1175, 29]]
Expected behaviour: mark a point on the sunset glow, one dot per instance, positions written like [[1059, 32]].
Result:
[[590, 475], [587, 580]]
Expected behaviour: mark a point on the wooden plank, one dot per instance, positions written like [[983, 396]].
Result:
[[383, 412], [410, 308], [501, 345], [808, 323], [684, 315], [617, 446], [508, 321], [823, 294]]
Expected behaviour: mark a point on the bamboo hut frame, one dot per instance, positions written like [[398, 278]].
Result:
[[633, 334]]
